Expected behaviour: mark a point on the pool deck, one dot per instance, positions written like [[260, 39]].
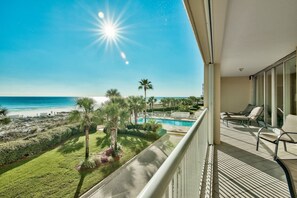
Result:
[[171, 128]]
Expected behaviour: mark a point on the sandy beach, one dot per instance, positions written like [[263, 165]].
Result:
[[39, 111]]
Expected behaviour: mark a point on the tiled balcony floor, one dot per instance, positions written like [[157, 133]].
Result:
[[241, 171]]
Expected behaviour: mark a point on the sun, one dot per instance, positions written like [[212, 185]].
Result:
[[110, 31]]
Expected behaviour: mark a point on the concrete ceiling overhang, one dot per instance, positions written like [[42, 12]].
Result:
[[249, 34]]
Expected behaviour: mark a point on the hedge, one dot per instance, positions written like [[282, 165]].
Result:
[[163, 109], [19, 149], [146, 126], [143, 134]]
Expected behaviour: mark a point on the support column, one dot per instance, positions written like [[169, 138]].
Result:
[[217, 103], [211, 90], [212, 100]]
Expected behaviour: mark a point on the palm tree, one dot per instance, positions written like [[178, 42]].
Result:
[[86, 117], [3, 116], [145, 84], [112, 93], [136, 104], [165, 102], [151, 102], [116, 116]]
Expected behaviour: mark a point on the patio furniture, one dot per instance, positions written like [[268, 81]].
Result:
[[288, 133], [290, 168], [253, 116], [180, 114], [245, 112]]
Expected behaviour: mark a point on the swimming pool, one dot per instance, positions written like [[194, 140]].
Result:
[[170, 122]]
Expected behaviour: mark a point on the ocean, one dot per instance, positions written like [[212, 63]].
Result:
[[34, 105], [30, 103]]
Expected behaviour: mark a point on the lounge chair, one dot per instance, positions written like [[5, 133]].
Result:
[[253, 116], [289, 166], [288, 133], [245, 112]]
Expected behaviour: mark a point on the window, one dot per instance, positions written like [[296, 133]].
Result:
[[279, 94], [290, 87]]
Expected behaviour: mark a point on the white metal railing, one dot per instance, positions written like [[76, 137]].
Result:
[[181, 173]]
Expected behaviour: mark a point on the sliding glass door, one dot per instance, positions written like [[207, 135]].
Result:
[[290, 87]]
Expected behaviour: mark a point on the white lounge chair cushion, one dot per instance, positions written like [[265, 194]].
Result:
[[252, 116], [290, 125]]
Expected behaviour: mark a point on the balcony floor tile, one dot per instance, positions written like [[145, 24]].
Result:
[[241, 171]]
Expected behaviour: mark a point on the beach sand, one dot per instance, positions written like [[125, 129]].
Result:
[[38, 112]]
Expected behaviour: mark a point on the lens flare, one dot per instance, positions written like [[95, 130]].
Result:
[[101, 15]]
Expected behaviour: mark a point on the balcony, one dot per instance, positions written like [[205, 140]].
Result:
[[238, 169]]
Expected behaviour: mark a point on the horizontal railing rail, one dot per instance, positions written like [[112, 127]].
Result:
[[180, 175]]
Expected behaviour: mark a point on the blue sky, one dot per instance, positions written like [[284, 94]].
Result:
[[49, 48]]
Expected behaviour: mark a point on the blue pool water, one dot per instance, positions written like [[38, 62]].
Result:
[[170, 122]]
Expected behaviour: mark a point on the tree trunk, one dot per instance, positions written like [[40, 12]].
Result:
[[115, 139], [145, 105], [114, 132], [135, 117], [87, 142]]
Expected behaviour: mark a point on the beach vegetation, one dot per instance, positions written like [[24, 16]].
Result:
[[86, 117], [36, 143], [3, 116], [145, 84]]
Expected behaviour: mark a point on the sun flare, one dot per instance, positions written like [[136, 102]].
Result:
[[110, 31]]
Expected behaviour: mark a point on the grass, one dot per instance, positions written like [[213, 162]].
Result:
[[54, 174]]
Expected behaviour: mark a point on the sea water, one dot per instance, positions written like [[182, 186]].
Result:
[[39, 104], [30, 103]]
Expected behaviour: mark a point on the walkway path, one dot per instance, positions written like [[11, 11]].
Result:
[[129, 180]]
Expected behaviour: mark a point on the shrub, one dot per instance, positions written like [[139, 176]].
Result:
[[152, 125], [135, 126], [97, 160], [109, 152], [104, 159], [18, 149], [88, 164], [163, 109], [150, 135]]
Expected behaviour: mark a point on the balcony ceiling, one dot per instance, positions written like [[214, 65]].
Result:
[[249, 34]]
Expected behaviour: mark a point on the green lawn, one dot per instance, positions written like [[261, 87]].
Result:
[[53, 173]]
